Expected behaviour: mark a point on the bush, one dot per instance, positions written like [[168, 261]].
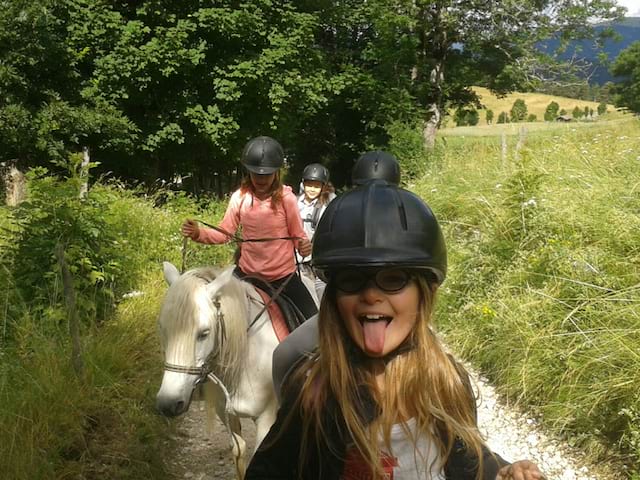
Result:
[[518, 110], [489, 117], [503, 117], [551, 112], [406, 143], [602, 108]]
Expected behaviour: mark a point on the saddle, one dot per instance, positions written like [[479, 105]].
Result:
[[292, 316]]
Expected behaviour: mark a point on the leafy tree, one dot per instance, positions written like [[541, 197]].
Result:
[[465, 116], [473, 117], [460, 117], [626, 69], [518, 110], [586, 111], [532, 117], [577, 112], [562, 111], [551, 112], [503, 117], [457, 44], [44, 115], [489, 117], [602, 108]]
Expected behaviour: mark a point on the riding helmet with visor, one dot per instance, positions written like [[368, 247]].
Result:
[[262, 155], [316, 172], [378, 232], [376, 165]]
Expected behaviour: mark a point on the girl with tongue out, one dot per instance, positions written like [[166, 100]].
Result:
[[381, 398]]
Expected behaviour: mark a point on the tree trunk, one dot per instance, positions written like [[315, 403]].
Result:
[[84, 172], [15, 184]]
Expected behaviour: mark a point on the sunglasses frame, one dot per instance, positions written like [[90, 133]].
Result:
[[371, 275]]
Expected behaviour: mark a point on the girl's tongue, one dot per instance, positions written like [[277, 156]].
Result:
[[374, 333]]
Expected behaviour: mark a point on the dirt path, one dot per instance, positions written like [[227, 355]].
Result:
[[199, 456], [509, 433]]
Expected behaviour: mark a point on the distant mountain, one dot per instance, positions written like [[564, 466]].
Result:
[[629, 32]]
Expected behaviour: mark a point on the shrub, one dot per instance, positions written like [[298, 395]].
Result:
[[489, 117], [551, 112], [518, 110]]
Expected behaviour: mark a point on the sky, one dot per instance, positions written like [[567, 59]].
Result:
[[633, 7]]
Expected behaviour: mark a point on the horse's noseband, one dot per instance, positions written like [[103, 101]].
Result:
[[207, 366]]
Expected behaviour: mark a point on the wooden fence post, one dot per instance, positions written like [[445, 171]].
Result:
[[72, 312]]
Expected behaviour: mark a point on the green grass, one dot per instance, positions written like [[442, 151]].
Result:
[[544, 286], [542, 295]]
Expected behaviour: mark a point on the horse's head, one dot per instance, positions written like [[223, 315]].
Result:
[[194, 325]]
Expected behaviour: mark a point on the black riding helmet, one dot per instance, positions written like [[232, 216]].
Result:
[[262, 155], [317, 172], [376, 165], [379, 225]]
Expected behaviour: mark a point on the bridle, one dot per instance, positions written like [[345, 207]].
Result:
[[206, 369]]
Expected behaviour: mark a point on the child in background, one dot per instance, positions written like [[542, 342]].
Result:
[[316, 194], [381, 398], [264, 208]]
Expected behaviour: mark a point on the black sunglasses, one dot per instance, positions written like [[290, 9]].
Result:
[[389, 280]]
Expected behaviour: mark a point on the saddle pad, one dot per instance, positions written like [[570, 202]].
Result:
[[277, 318]]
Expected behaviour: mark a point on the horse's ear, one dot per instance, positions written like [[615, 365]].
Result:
[[171, 273], [219, 281]]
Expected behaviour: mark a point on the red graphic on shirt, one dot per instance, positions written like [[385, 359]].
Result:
[[355, 468]]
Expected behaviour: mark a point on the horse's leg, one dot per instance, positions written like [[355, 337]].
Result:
[[238, 446], [232, 424], [265, 420]]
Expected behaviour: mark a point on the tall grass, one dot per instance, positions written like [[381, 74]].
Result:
[[102, 424], [544, 287]]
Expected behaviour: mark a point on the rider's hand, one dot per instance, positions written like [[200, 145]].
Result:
[[304, 247], [190, 229], [521, 470]]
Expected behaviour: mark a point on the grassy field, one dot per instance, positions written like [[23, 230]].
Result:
[[544, 290], [543, 296], [536, 105]]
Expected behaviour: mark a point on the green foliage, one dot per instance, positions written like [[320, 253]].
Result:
[[602, 108], [518, 111], [626, 69], [551, 112], [466, 116], [405, 142], [577, 112], [544, 294], [503, 117], [532, 117], [489, 116]]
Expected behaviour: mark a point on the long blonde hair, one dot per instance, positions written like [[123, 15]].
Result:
[[423, 381]]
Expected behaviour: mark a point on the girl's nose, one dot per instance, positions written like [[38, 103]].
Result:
[[370, 293]]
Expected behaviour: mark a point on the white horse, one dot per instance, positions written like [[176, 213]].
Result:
[[213, 326]]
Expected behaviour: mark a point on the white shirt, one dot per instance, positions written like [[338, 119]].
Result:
[[406, 461]]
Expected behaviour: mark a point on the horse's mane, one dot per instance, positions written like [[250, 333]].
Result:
[[186, 299]]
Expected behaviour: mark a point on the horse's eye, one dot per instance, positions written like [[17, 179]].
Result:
[[203, 334]]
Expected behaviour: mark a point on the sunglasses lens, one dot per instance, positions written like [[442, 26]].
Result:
[[392, 280], [351, 281]]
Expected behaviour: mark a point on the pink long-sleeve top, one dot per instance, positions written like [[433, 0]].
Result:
[[271, 260]]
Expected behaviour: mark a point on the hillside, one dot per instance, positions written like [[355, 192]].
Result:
[[628, 31], [536, 105]]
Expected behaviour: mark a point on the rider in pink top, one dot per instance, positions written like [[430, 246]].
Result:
[[264, 208], [259, 219]]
